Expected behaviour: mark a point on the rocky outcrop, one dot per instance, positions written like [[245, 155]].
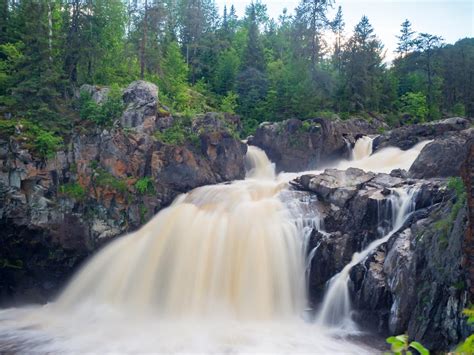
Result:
[[444, 156], [417, 281], [55, 212], [141, 100], [295, 145], [406, 137]]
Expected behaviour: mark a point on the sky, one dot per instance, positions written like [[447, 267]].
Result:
[[451, 19]]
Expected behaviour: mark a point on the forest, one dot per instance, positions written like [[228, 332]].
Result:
[[304, 64]]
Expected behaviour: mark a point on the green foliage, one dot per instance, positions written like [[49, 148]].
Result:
[[73, 190], [105, 179], [145, 185], [467, 346], [179, 133], [445, 225], [400, 346], [105, 113], [43, 143], [459, 109], [415, 105], [229, 102]]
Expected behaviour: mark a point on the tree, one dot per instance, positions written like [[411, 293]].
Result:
[[362, 69], [311, 20], [426, 45], [253, 56], [406, 41], [337, 27]]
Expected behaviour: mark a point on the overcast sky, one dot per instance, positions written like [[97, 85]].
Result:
[[451, 19]]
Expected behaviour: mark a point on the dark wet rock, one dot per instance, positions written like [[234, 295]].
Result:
[[418, 280], [444, 156], [295, 145], [406, 137]]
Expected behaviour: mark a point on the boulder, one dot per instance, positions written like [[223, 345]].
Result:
[[444, 156], [141, 100], [295, 145], [406, 137], [98, 93]]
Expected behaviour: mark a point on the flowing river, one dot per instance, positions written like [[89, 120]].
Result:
[[222, 270]]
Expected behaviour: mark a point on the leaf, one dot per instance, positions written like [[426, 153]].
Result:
[[392, 340], [420, 348], [403, 338]]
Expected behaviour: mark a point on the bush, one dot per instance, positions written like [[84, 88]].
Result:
[[106, 179], [459, 110], [414, 104], [73, 190], [105, 113], [41, 142], [145, 186], [179, 133], [229, 102]]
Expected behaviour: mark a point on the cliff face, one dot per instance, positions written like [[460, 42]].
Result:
[[420, 280], [55, 212]]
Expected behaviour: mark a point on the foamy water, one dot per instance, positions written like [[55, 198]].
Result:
[[219, 271]]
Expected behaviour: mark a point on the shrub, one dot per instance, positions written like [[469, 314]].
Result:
[[229, 102], [106, 179], [444, 225], [179, 133], [414, 104], [73, 190], [105, 113], [459, 109], [145, 186]]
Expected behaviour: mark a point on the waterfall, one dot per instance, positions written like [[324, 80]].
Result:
[[362, 148], [229, 248], [336, 306], [221, 270], [382, 161]]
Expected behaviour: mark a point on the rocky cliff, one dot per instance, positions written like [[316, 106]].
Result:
[[295, 145], [54, 212], [420, 280]]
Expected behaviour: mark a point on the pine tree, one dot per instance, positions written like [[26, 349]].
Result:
[[253, 55], [406, 41], [337, 26]]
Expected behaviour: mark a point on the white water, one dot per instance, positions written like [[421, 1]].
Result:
[[221, 270], [336, 307], [362, 148]]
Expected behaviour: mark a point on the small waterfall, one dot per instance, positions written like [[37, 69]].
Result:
[[362, 148], [336, 306], [258, 165]]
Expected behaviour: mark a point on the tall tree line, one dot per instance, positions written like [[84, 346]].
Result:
[[262, 68]]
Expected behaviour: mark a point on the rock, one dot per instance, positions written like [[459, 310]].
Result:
[[418, 280], [141, 100], [406, 137], [98, 93], [444, 156], [294, 145], [72, 204]]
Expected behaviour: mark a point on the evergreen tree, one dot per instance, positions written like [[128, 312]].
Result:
[[406, 41]]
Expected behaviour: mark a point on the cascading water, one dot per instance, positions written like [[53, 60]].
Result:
[[220, 270], [336, 306], [362, 148]]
